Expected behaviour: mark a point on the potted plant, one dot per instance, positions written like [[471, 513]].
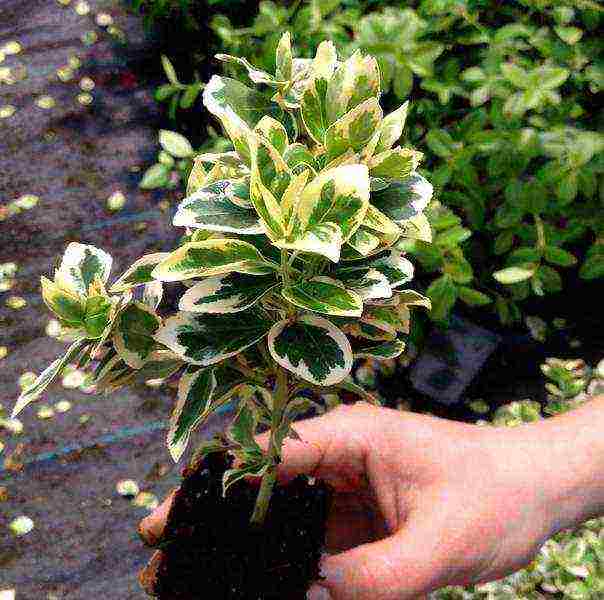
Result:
[[290, 269]]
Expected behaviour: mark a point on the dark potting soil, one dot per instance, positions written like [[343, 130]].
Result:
[[212, 552]]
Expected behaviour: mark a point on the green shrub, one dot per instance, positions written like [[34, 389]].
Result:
[[510, 92]]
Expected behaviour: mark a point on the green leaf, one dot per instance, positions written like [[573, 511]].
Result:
[[169, 70], [391, 128], [363, 241], [256, 75], [81, 266], [190, 95], [338, 196], [208, 339], [516, 75], [450, 238], [354, 81], [47, 376], [441, 143], [442, 293], [354, 129], [164, 92], [229, 293], [397, 269], [324, 239], [312, 348], [515, 274], [550, 77], [383, 351], [403, 199], [175, 144], [549, 278], [324, 295], [133, 335], [211, 257], [232, 476], [472, 297], [560, 257], [194, 403], [213, 208], [156, 176], [67, 305], [593, 266]]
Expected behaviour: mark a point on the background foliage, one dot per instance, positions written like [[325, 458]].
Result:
[[504, 104]]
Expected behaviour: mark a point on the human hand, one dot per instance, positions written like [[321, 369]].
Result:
[[420, 502]]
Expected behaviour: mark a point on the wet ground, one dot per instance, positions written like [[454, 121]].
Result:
[[78, 124]]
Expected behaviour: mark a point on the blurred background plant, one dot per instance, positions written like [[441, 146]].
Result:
[[505, 102]]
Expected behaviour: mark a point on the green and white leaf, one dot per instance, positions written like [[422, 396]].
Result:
[[211, 257], [382, 351], [47, 376], [208, 339], [324, 239], [153, 293], [367, 283], [274, 132], [139, 273], [283, 58], [227, 293], [355, 80], [339, 195], [394, 266], [364, 241], [395, 164], [96, 319], [354, 129], [81, 265], [175, 144], [404, 199], [255, 468], [256, 75], [194, 402], [133, 335], [391, 128], [312, 348], [378, 221], [65, 303], [324, 295], [212, 208], [224, 93]]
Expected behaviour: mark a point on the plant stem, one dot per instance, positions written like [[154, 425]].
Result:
[[274, 450]]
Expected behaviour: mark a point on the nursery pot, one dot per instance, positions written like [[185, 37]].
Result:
[[210, 550]]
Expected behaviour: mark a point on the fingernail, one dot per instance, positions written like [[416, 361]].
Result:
[[317, 592]]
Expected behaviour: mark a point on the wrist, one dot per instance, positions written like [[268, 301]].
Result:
[[566, 455]]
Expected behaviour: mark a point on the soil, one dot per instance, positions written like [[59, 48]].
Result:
[[212, 551]]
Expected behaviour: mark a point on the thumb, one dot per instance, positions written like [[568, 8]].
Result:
[[404, 566], [332, 447]]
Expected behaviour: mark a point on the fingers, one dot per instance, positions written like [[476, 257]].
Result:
[[152, 527], [404, 566]]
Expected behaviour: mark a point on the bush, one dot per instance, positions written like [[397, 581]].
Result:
[[511, 95]]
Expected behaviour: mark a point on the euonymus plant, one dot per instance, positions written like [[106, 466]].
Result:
[[290, 266]]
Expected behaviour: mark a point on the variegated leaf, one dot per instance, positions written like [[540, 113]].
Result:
[[152, 294], [211, 257], [312, 348], [222, 93], [65, 303], [133, 335], [255, 468], [47, 376], [417, 228], [339, 195], [395, 164], [212, 208], [291, 198], [274, 132], [382, 351], [195, 391], [208, 339], [386, 318], [283, 58], [324, 295], [364, 241], [324, 239], [298, 156], [391, 128], [354, 81], [413, 298], [139, 273], [369, 332], [403, 199], [81, 265], [226, 293], [354, 129], [256, 75], [367, 283], [98, 309], [397, 269], [376, 220], [197, 177]]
